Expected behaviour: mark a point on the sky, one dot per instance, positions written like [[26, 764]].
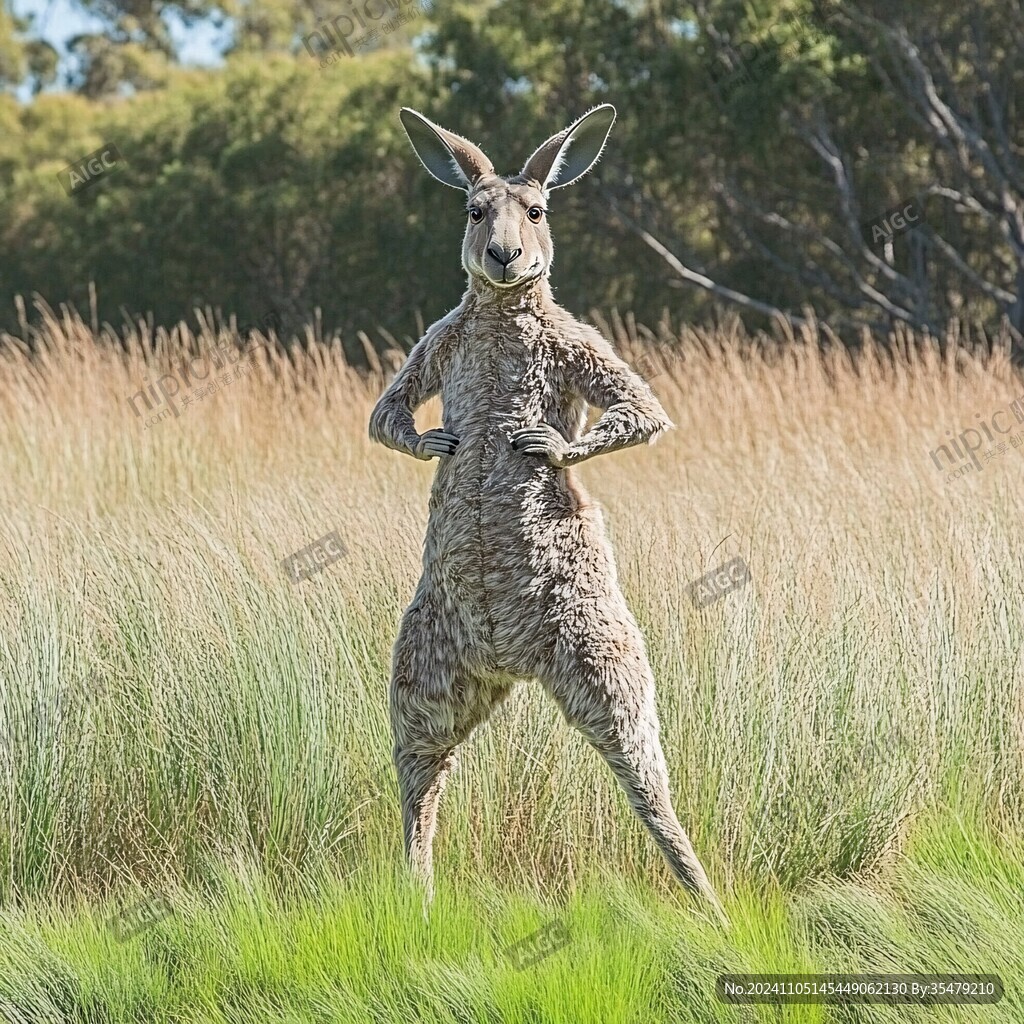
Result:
[[57, 21]]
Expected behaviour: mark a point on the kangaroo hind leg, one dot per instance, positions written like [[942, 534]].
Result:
[[609, 697], [435, 704]]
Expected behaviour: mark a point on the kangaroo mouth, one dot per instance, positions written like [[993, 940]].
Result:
[[509, 278]]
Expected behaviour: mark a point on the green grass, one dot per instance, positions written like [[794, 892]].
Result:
[[361, 950], [843, 734]]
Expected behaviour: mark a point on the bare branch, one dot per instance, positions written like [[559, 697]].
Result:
[[811, 235], [1001, 295], [702, 280], [822, 143]]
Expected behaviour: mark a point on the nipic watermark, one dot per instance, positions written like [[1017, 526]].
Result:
[[962, 450], [753, 61], [232, 359], [646, 367], [846, 989], [334, 36]]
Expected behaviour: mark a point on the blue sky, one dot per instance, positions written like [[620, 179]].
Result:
[[57, 21]]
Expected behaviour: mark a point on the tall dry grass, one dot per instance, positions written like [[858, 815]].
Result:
[[170, 702]]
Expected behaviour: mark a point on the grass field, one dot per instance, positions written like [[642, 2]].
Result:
[[184, 729]]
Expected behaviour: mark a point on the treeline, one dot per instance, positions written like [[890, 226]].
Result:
[[861, 162]]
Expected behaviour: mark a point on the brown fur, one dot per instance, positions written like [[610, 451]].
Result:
[[518, 577]]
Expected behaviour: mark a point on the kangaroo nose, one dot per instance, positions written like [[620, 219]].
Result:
[[503, 256]]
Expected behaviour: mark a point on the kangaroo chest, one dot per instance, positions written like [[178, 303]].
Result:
[[497, 381]]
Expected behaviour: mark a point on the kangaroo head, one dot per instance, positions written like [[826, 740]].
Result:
[[508, 242]]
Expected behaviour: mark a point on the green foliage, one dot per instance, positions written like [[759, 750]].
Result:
[[279, 183], [275, 182], [363, 950], [12, 56]]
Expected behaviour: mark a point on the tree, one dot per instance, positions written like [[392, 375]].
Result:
[[22, 57], [899, 136]]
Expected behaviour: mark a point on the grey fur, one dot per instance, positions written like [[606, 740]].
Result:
[[518, 578]]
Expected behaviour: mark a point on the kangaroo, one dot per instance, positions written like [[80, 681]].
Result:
[[518, 578]]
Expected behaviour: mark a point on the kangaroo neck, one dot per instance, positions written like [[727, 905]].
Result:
[[533, 295]]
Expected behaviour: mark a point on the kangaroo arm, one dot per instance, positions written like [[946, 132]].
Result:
[[622, 425], [391, 422], [632, 415]]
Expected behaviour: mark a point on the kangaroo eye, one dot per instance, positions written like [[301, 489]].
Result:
[[476, 214], [535, 213]]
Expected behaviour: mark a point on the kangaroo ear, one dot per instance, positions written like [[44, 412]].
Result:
[[450, 158], [567, 156]]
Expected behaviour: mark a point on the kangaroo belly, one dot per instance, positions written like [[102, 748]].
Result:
[[509, 541]]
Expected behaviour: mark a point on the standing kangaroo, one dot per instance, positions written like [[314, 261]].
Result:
[[518, 577]]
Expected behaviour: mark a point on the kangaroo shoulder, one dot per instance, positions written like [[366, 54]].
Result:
[[581, 349], [439, 340]]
